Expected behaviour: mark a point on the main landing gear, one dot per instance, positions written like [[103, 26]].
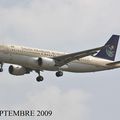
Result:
[[59, 73], [1, 67], [39, 78]]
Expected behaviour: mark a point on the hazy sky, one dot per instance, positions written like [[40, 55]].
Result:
[[63, 25]]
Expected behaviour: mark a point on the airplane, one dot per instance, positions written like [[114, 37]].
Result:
[[24, 60]]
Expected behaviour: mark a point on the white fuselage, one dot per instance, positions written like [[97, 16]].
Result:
[[23, 56]]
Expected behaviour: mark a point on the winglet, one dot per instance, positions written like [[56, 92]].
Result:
[[109, 50]]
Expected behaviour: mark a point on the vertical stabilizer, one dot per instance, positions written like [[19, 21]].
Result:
[[109, 50]]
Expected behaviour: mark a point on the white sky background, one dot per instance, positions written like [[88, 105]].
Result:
[[63, 25]]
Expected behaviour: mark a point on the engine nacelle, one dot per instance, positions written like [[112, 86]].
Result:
[[46, 63], [17, 70]]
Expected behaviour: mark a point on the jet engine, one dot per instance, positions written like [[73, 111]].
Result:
[[46, 62], [17, 70]]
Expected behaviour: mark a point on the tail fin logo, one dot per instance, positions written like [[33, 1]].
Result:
[[110, 50]]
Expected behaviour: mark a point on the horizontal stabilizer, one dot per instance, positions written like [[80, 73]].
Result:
[[114, 63]]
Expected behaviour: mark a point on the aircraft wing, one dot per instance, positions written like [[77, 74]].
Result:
[[64, 59]]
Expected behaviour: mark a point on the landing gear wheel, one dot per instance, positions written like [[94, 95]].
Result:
[[59, 73], [1, 70], [39, 78], [1, 67]]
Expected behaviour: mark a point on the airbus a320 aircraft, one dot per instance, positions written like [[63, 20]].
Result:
[[24, 60]]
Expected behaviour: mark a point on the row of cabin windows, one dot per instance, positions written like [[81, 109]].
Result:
[[84, 60], [32, 52]]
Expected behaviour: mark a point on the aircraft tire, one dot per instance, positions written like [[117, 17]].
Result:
[[39, 78], [59, 73], [1, 70]]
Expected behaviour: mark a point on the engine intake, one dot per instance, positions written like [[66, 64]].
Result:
[[46, 62], [17, 70]]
